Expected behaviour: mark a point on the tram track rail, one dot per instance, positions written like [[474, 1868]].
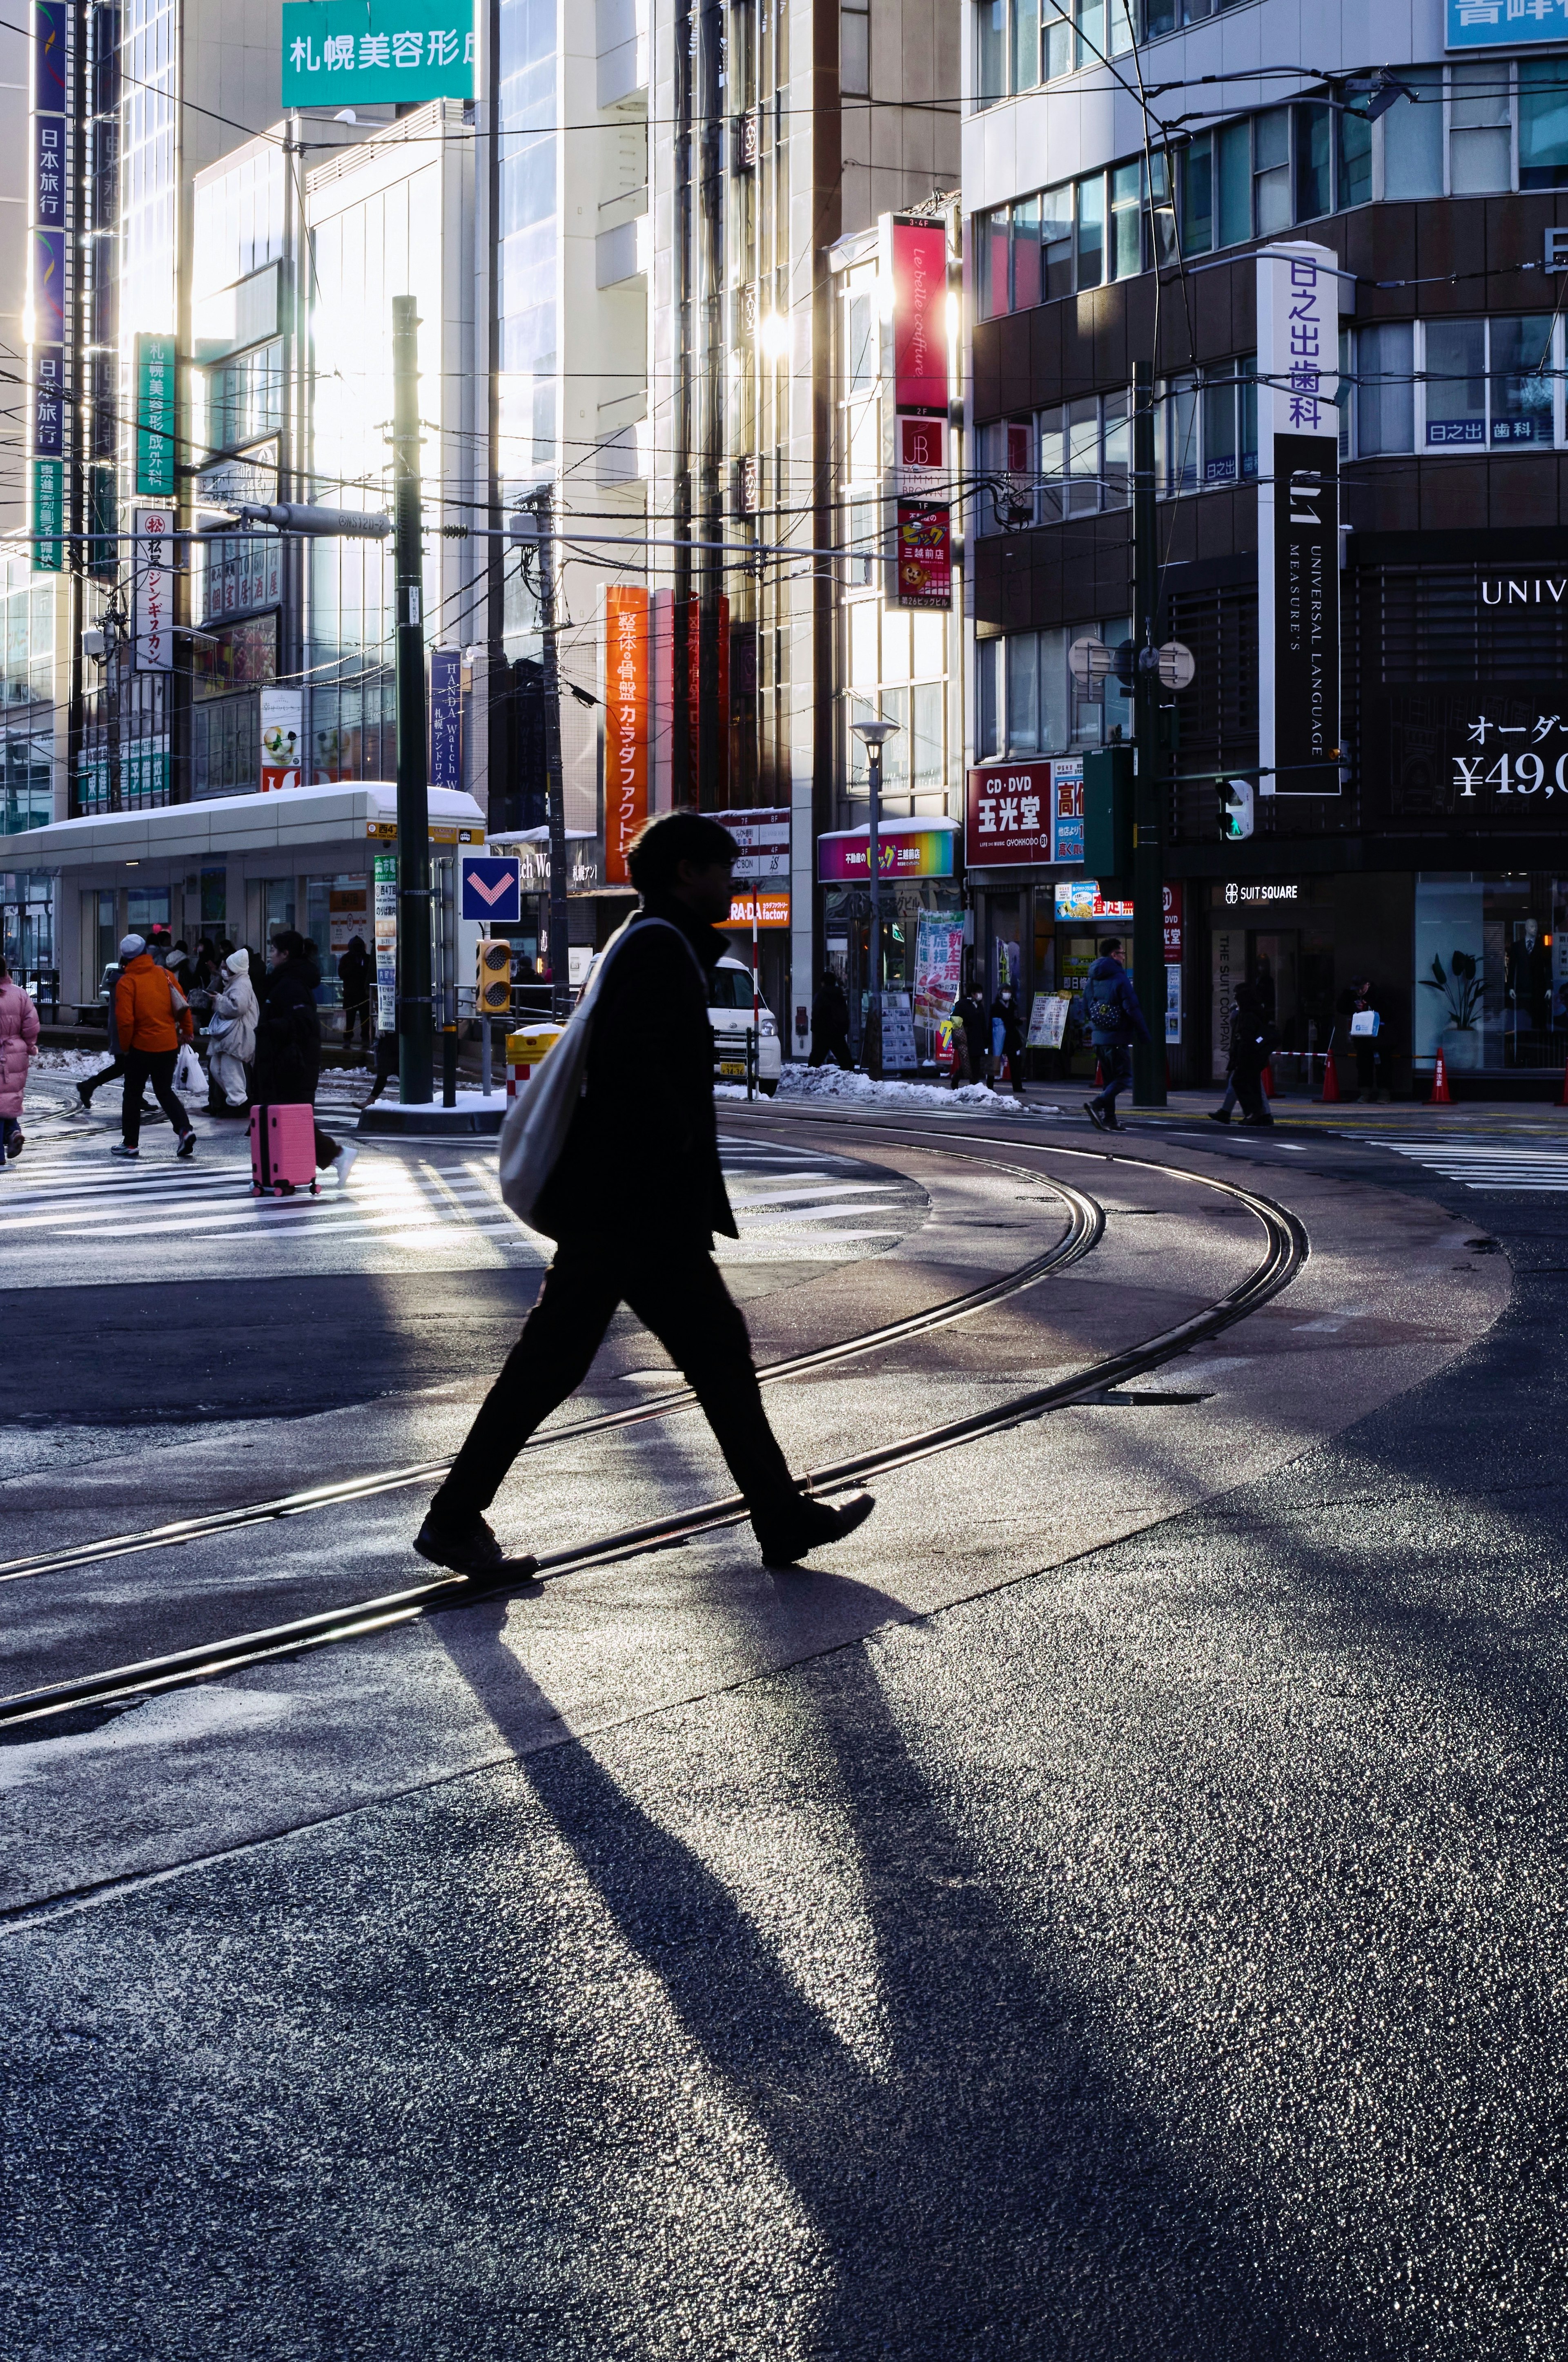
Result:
[[1286, 1250]]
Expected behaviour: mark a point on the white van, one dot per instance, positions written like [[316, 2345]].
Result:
[[729, 1014]]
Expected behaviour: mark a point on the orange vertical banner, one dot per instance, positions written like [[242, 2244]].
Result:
[[626, 728]]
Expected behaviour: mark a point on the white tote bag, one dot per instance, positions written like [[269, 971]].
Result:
[[538, 1119]]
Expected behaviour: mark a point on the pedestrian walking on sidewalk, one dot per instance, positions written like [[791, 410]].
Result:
[[632, 1204], [289, 1043], [972, 1027], [152, 1020], [354, 976], [831, 1026], [1115, 1023], [1007, 1036], [231, 1038], [18, 1048], [1254, 1039]]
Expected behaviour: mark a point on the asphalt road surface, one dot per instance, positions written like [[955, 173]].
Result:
[[1113, 1908]]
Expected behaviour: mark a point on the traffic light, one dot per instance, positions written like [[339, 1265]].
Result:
[[1235, 798], [1108, 811], [494, 992]]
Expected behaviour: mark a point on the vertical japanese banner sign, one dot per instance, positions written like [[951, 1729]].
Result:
[[446, 718], [155, 416], [282, 735], [47, 289], [626, 701], [152, 596], [1298, 519], [386, 920]]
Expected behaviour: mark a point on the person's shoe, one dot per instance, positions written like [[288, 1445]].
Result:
[[1259, 1122], [1219, 1115], [812, 1525], [469, 1547], [343, 1162], [1096, 1115], [123, 1148], [187, 1144], [15, 1146]]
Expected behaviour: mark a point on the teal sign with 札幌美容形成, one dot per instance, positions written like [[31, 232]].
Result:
[[376, 52]]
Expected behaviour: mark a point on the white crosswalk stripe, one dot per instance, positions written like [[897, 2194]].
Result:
[[1483, 1167], [66, 1193]]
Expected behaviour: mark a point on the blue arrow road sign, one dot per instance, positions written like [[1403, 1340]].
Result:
[[492, 889]]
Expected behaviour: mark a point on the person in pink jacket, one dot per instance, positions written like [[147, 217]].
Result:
[[19, 1047]]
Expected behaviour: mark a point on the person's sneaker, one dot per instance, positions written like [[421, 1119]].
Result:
[[1096, 1115], [469, 1547], [1219, 1115], [187, 1144], [18, 1140], [122, 1148], [342, 1163], [814, 1526]]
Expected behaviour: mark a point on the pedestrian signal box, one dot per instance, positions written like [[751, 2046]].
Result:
[[1108, 812], [1236, 809], [494, 994]]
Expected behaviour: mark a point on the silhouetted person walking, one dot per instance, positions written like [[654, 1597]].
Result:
[[632, 1203]]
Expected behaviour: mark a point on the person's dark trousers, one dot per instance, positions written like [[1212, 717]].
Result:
[[157, 1067], [681, 1297], [355, 1013], [1117, 1060], [1249, 1090], [109, 1075], [838, 1050]]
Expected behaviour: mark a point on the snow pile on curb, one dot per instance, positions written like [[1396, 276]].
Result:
[[73, 1063], [832, 1082]]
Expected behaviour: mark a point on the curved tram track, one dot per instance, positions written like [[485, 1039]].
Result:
[[1284, 1251]]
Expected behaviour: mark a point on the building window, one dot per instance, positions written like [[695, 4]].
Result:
[[1314, 194], [1412, 136], [1027, 702], [854, 48], [1206, 428], [1073, 459], [1385, 388], [1478, 129], [1472, 396], [1543, 123]]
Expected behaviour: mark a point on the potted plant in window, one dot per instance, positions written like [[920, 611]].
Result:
[[1459, 988]]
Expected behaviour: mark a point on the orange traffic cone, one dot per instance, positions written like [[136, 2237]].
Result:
[[1098, 1074], [1268, 1082], [1440, 1094], [1330, 1081]]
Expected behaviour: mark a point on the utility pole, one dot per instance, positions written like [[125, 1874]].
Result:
[[560, 958], [416, 1015], [875, 736], [1148, 856]]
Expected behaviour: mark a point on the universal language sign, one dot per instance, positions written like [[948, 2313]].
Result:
[[1298, 504], [376, 52]]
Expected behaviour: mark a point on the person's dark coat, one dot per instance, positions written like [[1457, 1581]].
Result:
[[831, 1014], [1005, 1008], [289, 1036], [969, 1011], [1110, 1007], [353, 974], [639, 1172], [1254, 1038]]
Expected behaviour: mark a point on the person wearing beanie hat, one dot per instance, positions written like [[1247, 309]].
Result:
[[131, 947], [153, 1019], [231, 1038]]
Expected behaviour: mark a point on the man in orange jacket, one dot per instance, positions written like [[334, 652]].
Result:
[[151, 1023]]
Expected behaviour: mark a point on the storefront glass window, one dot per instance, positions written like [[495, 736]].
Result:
[[146, 907], [1492, 972], [1523, 386]]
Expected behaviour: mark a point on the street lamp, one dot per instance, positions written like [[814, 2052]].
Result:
[[875, 736]]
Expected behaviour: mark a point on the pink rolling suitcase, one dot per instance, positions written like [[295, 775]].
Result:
[[283, 1158]]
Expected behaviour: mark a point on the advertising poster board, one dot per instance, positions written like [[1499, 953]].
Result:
[[938, 967], [386, 923], [282, 725], [923, 555], [152, 597]]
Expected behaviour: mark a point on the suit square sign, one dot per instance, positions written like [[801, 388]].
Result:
[[492, 889]]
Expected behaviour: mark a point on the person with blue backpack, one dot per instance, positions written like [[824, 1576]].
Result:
[[1115, 1021]]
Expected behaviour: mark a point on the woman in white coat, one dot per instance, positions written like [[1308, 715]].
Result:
[[231, 1038]]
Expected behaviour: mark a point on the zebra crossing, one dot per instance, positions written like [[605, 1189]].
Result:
[[1482, 1166], [70, 1214]]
